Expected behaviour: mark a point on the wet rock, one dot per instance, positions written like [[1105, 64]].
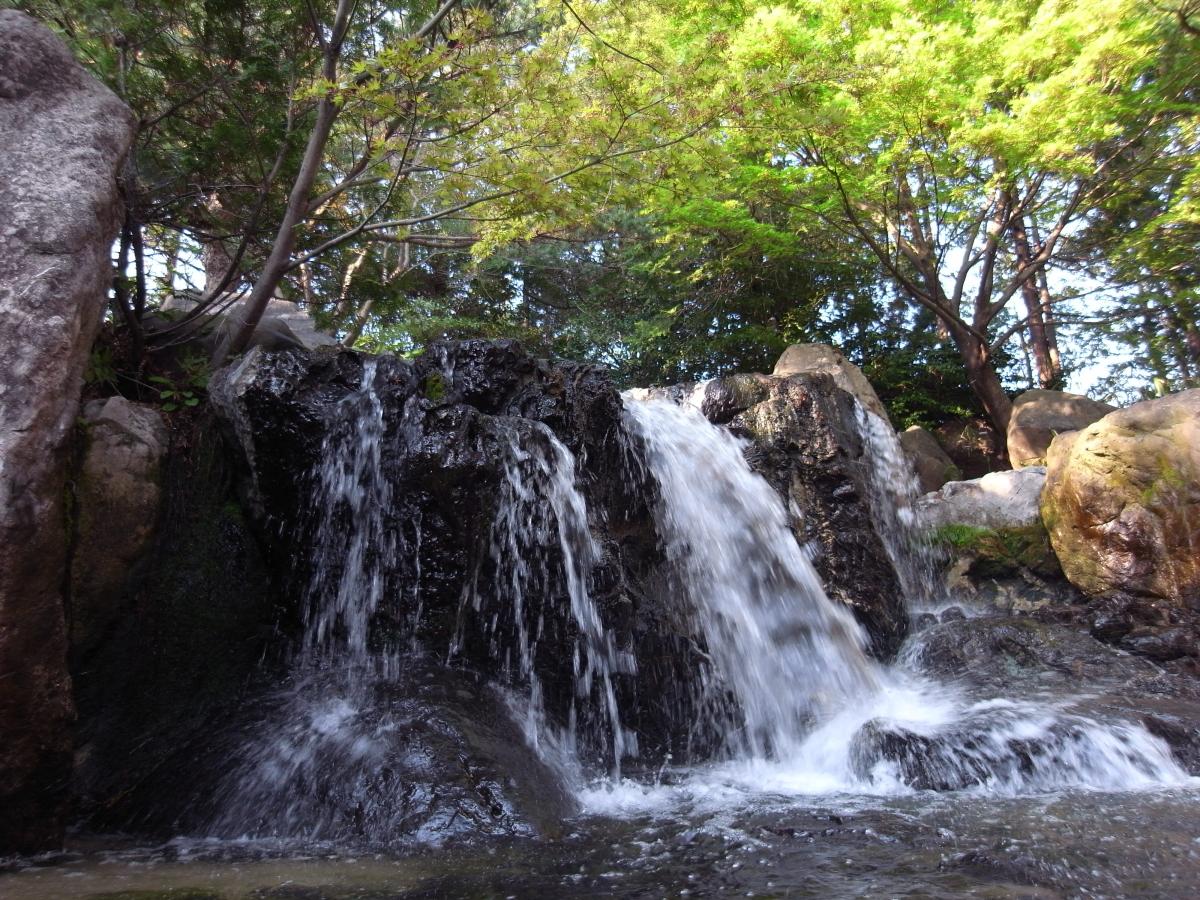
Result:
[[453, 420], [1038, 416], [63, 138], [1161, 644], [953, 614], [808, 359], [923, 621], [117, 495], [427, 756], [932, 466], [997, 500], [1013, 655], [199, 616], [808, 444], [1122, 501]]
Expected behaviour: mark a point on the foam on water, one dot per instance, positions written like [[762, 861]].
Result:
[[817, 717]]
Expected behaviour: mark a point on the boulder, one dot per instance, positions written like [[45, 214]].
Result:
[[1037, 416], [803, 359], [63, 139], [997, 500], [809, 440], [284, 325], [930, 463], [973, 445], [117, 496], [1122, 501]]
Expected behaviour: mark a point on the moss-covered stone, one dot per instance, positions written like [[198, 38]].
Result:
[[1122, 501]]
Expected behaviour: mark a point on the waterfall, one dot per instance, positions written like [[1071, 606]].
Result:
[[540, 539], [893, 498], [783, 649], [816, 715]]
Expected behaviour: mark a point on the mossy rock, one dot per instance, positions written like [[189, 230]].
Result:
[[1001, 552], [1122, 501]]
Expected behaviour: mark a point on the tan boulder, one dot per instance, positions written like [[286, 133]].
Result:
[[929, 461], [1038, 416], [1122, 501], [800, 359]]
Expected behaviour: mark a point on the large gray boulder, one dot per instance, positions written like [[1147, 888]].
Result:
[[997, 500], [1038, 416], [63, 138], [117, 497], [1122, 501], [807, 359]]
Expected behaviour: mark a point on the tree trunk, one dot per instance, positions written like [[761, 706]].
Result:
[[1039, 340], [982, 375]]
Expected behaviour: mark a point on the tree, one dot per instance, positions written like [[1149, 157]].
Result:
[[938, 136]]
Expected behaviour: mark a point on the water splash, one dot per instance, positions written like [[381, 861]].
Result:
[[817, 716]]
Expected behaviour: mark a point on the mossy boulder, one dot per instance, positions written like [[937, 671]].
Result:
[[1122, 501]]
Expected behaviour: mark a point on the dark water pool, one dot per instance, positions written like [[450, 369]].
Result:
[[1067, 845]]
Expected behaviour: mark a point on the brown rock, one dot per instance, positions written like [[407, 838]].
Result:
[[117, 502], [63, 137], [932, 466], [1037, 416], [802, 359], [1122, 501]]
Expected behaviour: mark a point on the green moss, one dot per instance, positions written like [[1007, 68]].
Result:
[[1000, 551], [434, 387]]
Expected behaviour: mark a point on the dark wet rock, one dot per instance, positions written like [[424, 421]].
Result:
[[427, 756], [1161, 644], [953, 614], [1180, 731], [194, 622], [63, 138], [923, 621], [452, 419], [1015, 654]]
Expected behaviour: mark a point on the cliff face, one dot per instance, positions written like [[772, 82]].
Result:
[[63, 138]]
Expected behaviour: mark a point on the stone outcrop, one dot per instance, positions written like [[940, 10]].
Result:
[[63, 138], [808, 442], [117, 497], [805, 359], [1038, 416], [930, 463], [1122, 501], [453, 419], [997, 500]]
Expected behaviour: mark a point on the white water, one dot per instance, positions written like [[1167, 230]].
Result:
[[540, 539], [794, 663]]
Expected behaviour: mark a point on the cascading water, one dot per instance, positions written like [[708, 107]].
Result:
[[816, 714], [777, 643], [893, 495], [540, 537]]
